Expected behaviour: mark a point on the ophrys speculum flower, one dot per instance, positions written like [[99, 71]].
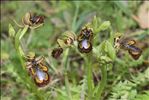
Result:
[[129, 45], [38, 70], [33, 20], [85, 40]]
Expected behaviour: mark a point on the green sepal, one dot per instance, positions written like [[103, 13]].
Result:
[[11, 31]]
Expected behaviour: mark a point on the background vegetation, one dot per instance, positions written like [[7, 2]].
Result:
[[127, 79]]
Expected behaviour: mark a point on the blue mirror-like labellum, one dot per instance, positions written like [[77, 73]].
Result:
[[84, 46]]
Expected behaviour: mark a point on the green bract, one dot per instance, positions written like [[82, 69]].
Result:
[[11, 31]]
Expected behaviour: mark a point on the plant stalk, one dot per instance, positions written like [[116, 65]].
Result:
[[21, 54], [89, 76], [65, 73], [103, 82]]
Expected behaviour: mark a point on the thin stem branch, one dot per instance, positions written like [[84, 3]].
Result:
[[89, 76], [65, 73]]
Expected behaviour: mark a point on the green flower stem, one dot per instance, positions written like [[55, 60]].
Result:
[[103, 82], [67, 87], [88, 64], [65, 73], [23, 32], [89, 76]]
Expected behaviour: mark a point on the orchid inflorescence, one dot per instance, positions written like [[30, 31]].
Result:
[[36, 67]]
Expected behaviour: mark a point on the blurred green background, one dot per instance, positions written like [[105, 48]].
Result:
[[127, 17]]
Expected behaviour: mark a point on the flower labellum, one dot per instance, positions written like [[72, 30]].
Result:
[[42, 78], [134, 51], [84, 46], [37, 19], [57, 52]]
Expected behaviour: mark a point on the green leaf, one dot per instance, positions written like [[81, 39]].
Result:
[[4, 56], [105, 48], [95, 22], [147, 73], [105, 25], [105, 59], [96, 50], [144, 96], [99, 50], [101, 47], [11, 31], [110, 50]]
